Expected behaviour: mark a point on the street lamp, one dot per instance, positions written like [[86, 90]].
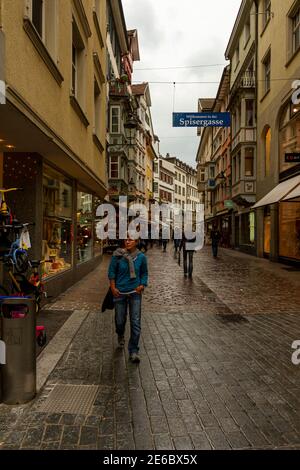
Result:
[[131, 126]]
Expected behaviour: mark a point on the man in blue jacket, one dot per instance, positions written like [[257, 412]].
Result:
[[128, 275]]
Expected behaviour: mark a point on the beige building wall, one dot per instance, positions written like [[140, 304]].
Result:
[[245, 29], [31, 84], [276, 37]]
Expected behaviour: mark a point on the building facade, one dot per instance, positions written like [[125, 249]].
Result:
[[52, 128], [166, 181], [205, 165], [278, 131], [241, 51], [122, 51]]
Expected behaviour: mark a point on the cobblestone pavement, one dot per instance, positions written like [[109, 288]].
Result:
[[216, 370]]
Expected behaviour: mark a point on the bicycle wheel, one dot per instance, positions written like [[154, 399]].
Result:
[[20, 258]]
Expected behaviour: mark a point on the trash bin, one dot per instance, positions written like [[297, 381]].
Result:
[[18, 322]]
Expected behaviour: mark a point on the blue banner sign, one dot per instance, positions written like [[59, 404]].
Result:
[[201, 119]]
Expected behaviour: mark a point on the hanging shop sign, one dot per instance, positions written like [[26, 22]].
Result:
[[228, 203], [201, 119], [292, 157]]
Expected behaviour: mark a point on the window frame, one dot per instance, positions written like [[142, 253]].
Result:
[[115, 107], [42, 32], [267, 71], [294, 29], [117, 163]]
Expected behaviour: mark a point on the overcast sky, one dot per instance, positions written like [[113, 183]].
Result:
[[175, 33]]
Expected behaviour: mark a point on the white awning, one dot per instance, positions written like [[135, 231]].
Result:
[[293, 194], [282, 191]]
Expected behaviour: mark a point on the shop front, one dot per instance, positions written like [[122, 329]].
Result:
[[64, 213], [70, 247], [289, 230]]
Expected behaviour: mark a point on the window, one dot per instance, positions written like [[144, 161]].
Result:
[[97, 108], [114, 167], [38, 16], [296, 30], [267, 11], [57, 245], [237, 55], [247, 30], [183, 178], [78, 63], [249, 113], [43, 16], [183, 191], [115, 119], [249, 161], [267, 151], [267, 71]]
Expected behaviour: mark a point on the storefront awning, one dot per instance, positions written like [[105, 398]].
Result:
[[282, 192], [293, 194]]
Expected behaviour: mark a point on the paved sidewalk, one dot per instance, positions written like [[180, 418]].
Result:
[[216, 370]]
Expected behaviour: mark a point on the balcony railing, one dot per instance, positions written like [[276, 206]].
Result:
[[248, 80], [118, 89]]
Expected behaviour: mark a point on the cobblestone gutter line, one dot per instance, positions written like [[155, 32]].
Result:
[[54, 351]]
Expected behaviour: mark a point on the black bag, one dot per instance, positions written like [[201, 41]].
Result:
[[108, 302]]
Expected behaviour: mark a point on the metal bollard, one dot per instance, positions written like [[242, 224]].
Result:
[[18, 324]]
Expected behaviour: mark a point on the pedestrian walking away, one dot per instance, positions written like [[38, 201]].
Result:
[[215, 236], [164, 244], [128, 276], [188, 254]]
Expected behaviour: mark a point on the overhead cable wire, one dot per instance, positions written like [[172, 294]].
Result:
[[209, 82], [181, 67]]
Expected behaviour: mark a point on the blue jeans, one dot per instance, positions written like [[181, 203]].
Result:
[[134, 302]]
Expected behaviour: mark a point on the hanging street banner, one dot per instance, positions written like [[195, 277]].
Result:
[[201, 119]]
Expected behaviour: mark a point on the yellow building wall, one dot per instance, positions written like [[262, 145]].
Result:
[[283, 73], [29, 76]]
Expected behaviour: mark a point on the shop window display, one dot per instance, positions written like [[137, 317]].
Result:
[[84, 227], [289, 230], [289, 135], [57, 223], [98, 244]]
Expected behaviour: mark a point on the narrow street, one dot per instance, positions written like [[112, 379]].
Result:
[[215, 371]]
